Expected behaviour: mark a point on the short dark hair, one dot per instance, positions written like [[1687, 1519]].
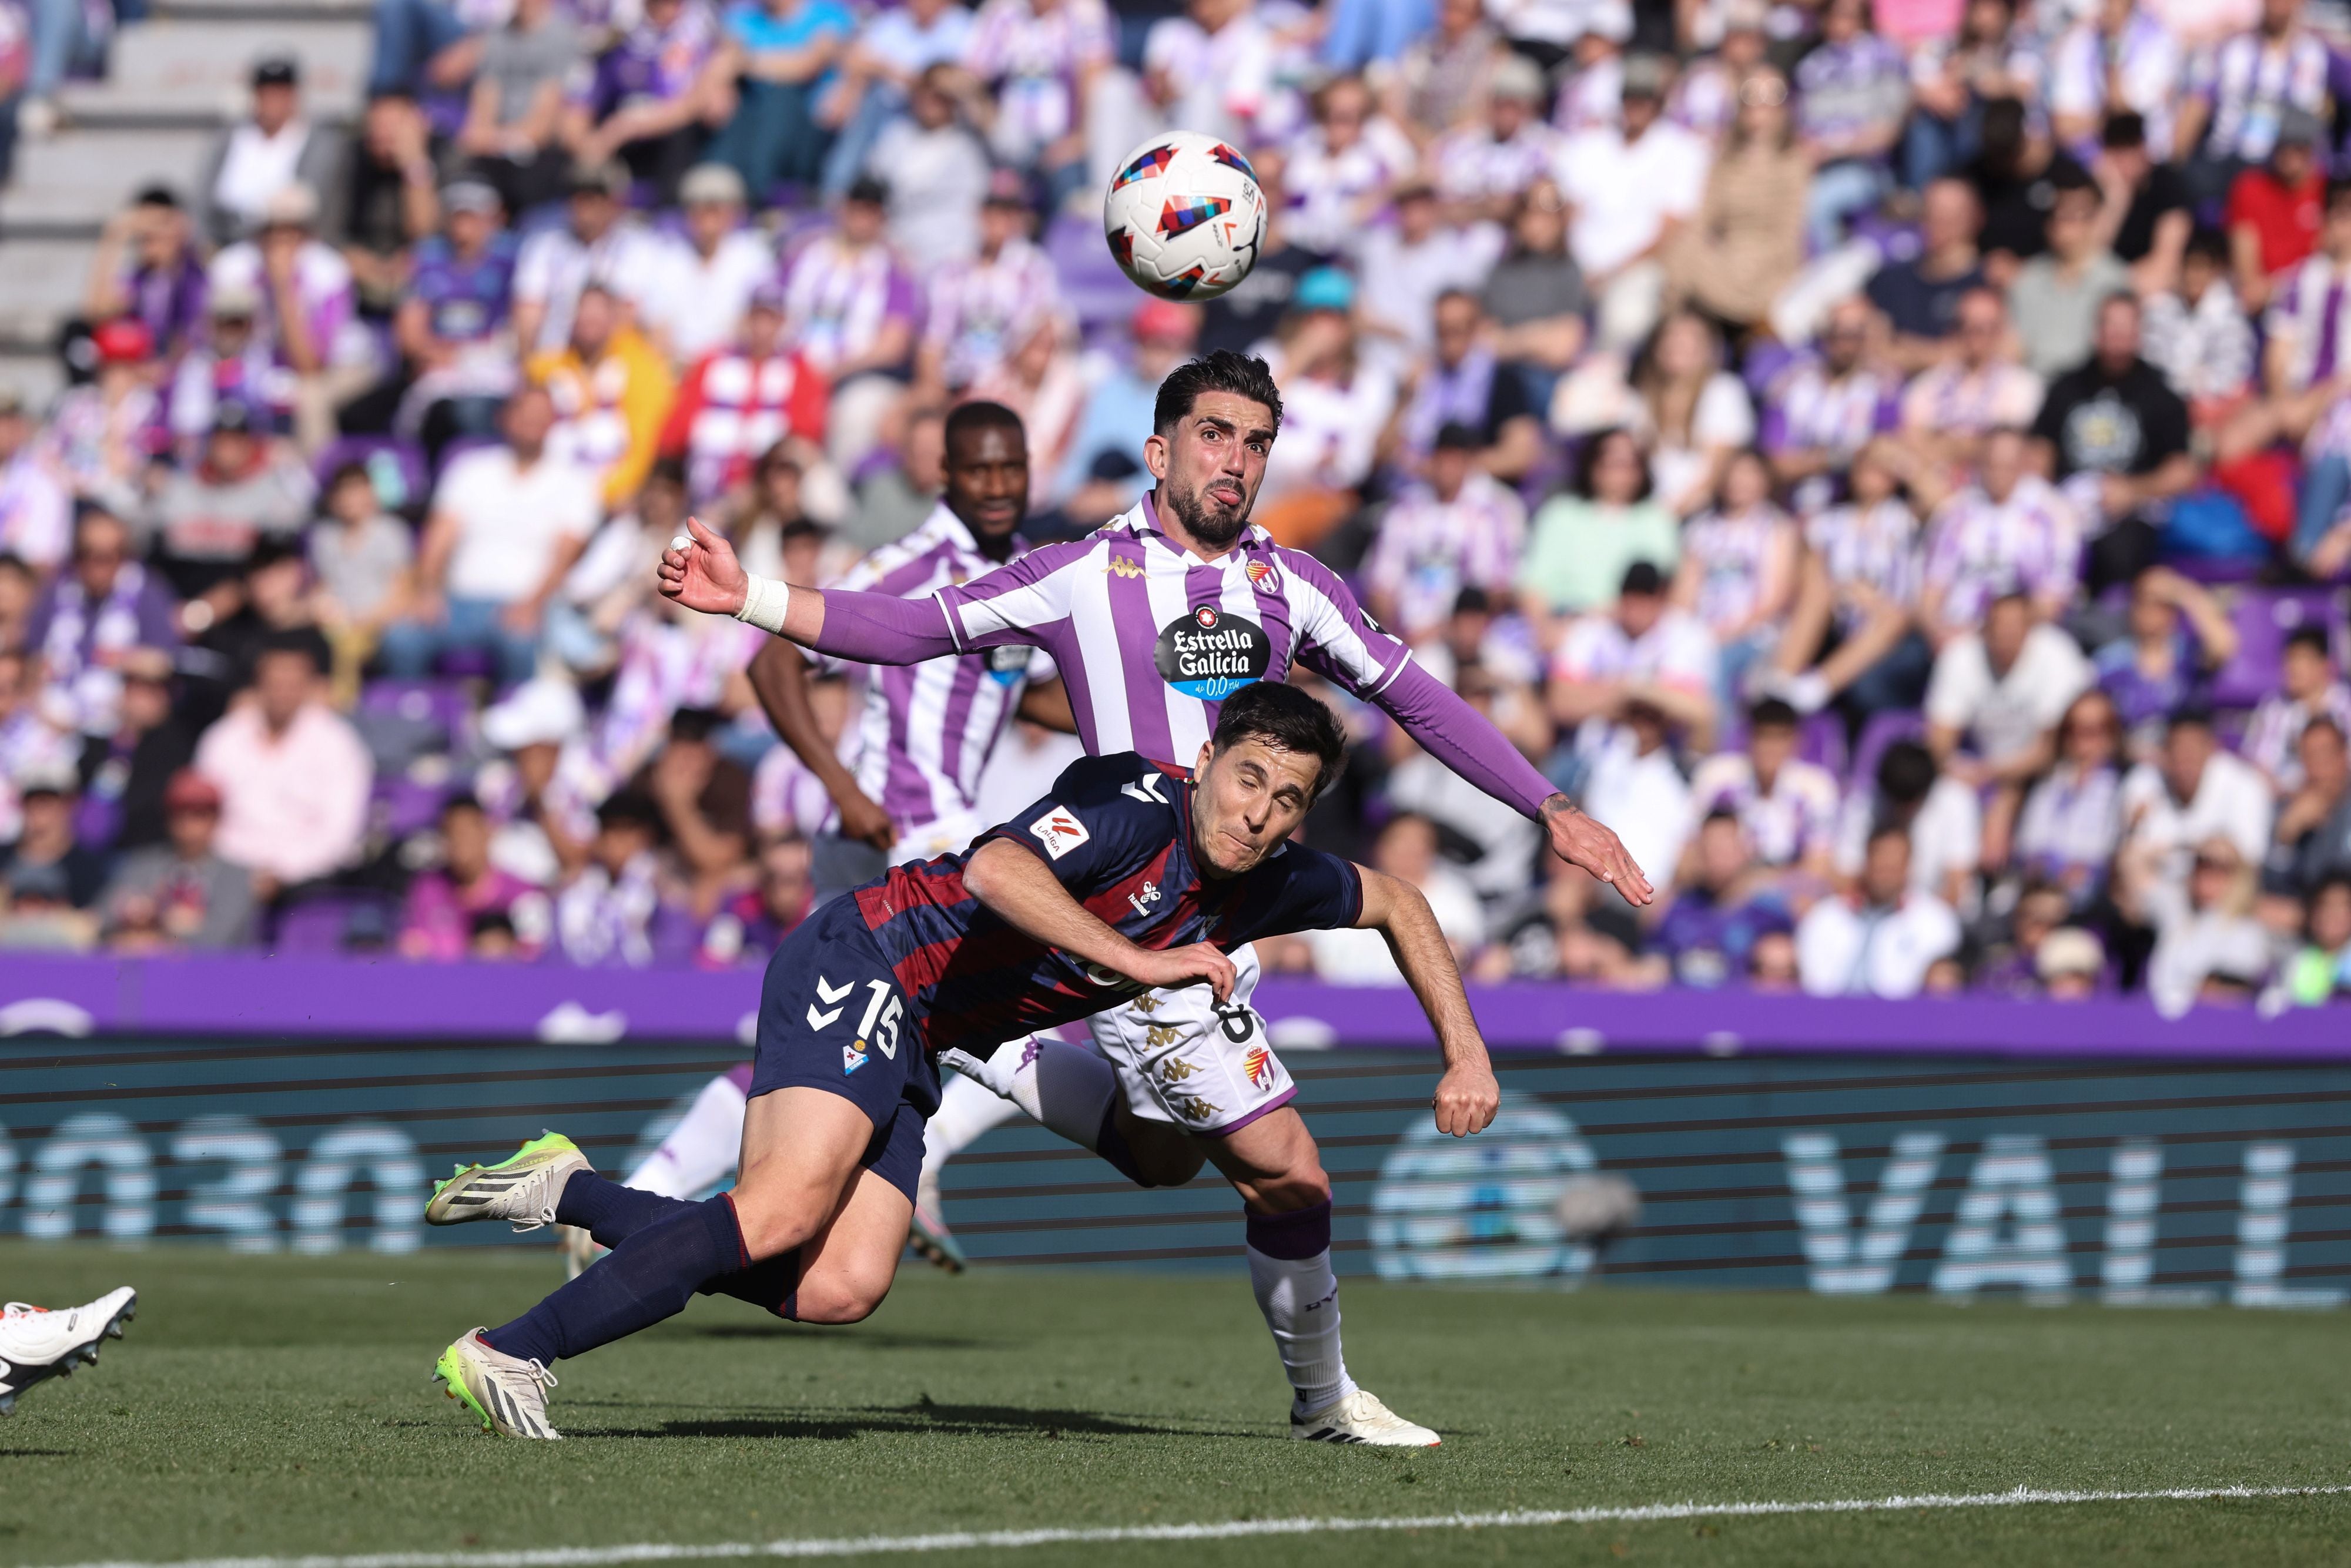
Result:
[[2211, 244], [1906, 772], [1288, 720], [2124, 128], [1219, 369], [1587, 464], [2338, 191], [629, 808], [1771, 713], [974, 417], [2310, 636], [303, 641]]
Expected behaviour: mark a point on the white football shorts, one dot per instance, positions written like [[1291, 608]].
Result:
[[1184, 1059]]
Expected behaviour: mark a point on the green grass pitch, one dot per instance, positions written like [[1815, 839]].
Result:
[[276, 1404]]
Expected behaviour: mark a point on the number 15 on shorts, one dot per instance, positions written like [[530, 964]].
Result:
[[877, 1029]]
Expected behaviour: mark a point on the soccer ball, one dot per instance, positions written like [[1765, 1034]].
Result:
[[1184, 217]]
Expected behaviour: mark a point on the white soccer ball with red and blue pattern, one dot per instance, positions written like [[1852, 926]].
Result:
[[1184, 217]]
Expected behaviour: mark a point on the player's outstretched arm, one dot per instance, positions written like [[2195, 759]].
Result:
[[700, 571], [1017, 886], [1467, 1095], [1462, 739]]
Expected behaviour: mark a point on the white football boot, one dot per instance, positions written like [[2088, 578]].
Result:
[[507, 1393], [523, 1187], [37, 1343], [1360, 1417]]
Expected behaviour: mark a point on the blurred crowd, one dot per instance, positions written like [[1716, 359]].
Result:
[[1892, 464]]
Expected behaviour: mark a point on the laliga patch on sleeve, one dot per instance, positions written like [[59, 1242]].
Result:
[[1058, 831]]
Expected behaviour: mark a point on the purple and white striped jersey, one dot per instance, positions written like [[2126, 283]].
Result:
[[1150, 639], [926, 729], [2249, 80], [2306, 314], [1811, 408], [1980, 549]]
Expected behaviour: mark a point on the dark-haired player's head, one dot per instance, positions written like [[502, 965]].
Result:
[[986, 470], [1212, 430], [1274, 751]]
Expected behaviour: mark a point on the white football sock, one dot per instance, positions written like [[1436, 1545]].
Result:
[[1065, 1088], [701, 1149], [966, 1111], [1299, 1300]]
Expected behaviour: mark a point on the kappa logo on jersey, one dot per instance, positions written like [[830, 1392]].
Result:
[[1120, 566], [1258, 1063], [1261, 578], [1007, 665], [1211, 654], [1060, 832]]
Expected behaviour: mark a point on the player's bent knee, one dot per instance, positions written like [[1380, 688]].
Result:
[[1293, 1190], [773, 1223]]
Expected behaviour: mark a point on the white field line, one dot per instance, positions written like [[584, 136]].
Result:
[[1227, 1530]]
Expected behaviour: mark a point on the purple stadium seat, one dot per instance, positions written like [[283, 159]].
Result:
[[2212, 570], [1091, 285], [2264, 617], [385, 457], [323, 926], [445, 704], [403, 806], [1821, 740], [1882, 731]]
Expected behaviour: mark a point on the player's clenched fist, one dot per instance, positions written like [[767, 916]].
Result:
[[1183, 967], [700, 571], [1466, 1098]]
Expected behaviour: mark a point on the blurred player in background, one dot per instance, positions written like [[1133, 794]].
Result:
[[925, 733], [1152, 622], [36, 1344]]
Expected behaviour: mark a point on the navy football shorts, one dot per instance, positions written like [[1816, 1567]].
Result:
[[833, 1016]]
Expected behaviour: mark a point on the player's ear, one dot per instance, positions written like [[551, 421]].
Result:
[[1155, 455], [1200, 764]]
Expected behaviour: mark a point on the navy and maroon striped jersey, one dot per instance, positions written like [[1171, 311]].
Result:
[[1117, 833]]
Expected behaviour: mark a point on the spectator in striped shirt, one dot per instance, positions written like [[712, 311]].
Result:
[[1853, 633], [1738, 572], [853, 309], [2072, 819], [1786, 807], [2310, 689], [739, 401], [2199, 335], [1949, 411], [1821, 412], [1853, 94], [2306, 357], [1458, 529], [2238, 93], [2010, 531], [978, 307]]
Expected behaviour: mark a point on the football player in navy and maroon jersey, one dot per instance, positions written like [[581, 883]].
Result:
[[1131, 876]]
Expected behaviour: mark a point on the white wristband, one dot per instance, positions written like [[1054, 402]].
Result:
[[763, 604]]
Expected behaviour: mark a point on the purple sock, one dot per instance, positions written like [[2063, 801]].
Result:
[[1294, 1236], [649, 1277], [607, 1210]]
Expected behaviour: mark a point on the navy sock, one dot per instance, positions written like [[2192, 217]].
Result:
[[649, 1277], [772, 1286], [607, 1210]]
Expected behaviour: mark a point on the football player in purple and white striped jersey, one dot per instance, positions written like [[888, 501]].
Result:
[[1152, 621], [926, 731]]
